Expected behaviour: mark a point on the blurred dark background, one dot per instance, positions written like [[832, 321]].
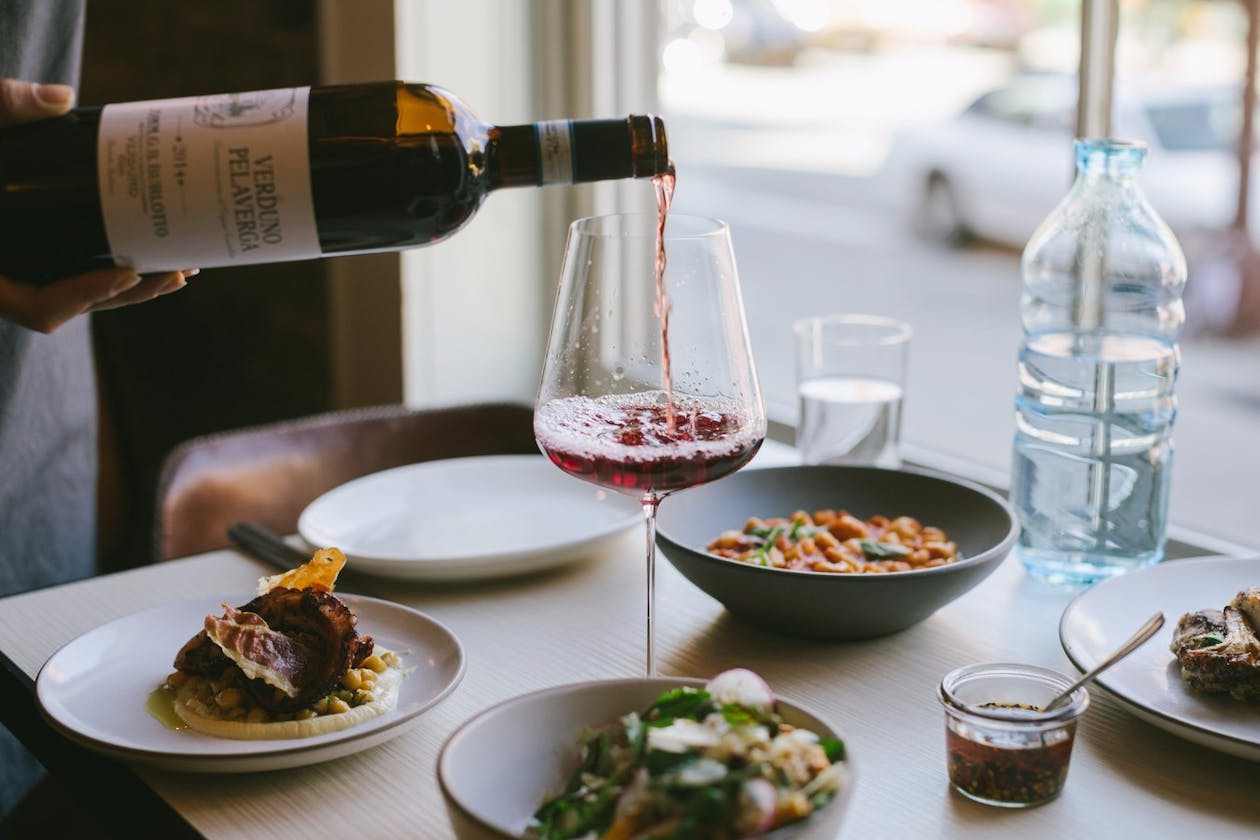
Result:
[[238, 346]]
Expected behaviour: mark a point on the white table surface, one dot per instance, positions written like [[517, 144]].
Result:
[[1127, 778]]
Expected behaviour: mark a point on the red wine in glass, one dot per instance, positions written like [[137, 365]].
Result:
[[628, 443], [609, 408]]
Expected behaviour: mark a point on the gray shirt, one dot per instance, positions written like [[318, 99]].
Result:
[[47, 393], [47, 387]]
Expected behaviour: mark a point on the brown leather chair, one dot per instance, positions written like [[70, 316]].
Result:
[[269, 474]]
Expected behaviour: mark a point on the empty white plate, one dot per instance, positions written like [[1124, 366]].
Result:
[[466, 518], [1149, 681], [94, 689]]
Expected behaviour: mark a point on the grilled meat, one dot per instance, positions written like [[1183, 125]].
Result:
[[291, 645], [1219, 650]]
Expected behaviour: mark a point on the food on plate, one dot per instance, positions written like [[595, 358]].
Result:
[[716, 762], [288, 664], [837, 541], [1219, 650]]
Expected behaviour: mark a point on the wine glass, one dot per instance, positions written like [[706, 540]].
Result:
[[648, 384]]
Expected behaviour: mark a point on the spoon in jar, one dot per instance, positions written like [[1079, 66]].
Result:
[[1144, 632]]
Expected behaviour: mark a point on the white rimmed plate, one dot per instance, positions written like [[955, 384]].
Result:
[[94, 689], [1149, 682], [466, 518]]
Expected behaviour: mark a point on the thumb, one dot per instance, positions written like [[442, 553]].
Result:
[[27, 101]]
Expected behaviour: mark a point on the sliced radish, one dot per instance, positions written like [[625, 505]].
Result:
[[743, 687], [758, 801]]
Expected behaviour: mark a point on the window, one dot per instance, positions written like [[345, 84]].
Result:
[[840, 140], [893, 157]]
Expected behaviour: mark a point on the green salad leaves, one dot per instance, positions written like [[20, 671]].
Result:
[[693, 765]]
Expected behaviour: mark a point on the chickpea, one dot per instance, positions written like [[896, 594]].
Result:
[[906, 526], [352, 678], [228, 698], [375, 662], [336, 706]]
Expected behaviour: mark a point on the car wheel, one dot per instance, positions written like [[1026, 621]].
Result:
[[939, 218]]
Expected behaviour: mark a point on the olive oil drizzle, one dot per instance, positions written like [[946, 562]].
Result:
[[161, 704]]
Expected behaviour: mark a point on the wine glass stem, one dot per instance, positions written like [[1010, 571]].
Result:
[[650, 503]]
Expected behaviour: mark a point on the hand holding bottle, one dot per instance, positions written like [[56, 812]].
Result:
[[44, 308]]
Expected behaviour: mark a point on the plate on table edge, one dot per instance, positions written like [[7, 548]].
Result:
[[103, 708], [557, 750], [1148, 683], [483, 516]]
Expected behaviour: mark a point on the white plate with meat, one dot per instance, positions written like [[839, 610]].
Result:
[[101, 689], [1150, 682], [467, 518]]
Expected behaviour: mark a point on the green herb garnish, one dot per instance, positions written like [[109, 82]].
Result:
[[738, 715], [833, 747], [679, 702], [762, 554], [880, 549]]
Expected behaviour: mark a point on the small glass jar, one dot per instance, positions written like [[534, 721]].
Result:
[[1002, 749]]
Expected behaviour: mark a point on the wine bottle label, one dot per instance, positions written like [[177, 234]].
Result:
[[207, 180], [555, 151]]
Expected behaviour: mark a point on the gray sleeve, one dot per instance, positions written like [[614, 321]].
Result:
[[41, 40]]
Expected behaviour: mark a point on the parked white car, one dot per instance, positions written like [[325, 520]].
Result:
[[999, 168]]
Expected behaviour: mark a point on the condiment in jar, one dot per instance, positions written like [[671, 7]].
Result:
[[1001, 747]]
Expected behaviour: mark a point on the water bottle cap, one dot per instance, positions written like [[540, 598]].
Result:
[[1111, 155]]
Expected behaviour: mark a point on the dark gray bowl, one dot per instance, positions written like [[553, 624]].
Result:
[[835, 606]]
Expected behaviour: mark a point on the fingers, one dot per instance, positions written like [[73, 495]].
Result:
[[27, 101], [150, 286], [45, 308]]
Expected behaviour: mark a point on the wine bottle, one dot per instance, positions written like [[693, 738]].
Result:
[[278, 175]]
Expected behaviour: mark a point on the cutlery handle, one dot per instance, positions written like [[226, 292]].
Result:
[[266, 545], [1135, 641]]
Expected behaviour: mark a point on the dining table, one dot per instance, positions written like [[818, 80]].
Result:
[[584, 621]]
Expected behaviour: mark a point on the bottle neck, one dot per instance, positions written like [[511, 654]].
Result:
[[1109, 159], [577, 151]]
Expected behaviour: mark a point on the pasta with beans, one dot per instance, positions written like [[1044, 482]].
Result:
[[837, 541]]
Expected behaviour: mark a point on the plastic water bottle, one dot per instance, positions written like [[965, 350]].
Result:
[[1101, 311]]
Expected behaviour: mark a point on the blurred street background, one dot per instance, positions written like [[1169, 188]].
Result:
[[892, 157]]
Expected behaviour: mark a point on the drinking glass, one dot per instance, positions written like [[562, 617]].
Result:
[[850, 378], [648, 385]]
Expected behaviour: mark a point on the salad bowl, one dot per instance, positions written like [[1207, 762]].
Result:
[[501, 765], [831, 605]]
